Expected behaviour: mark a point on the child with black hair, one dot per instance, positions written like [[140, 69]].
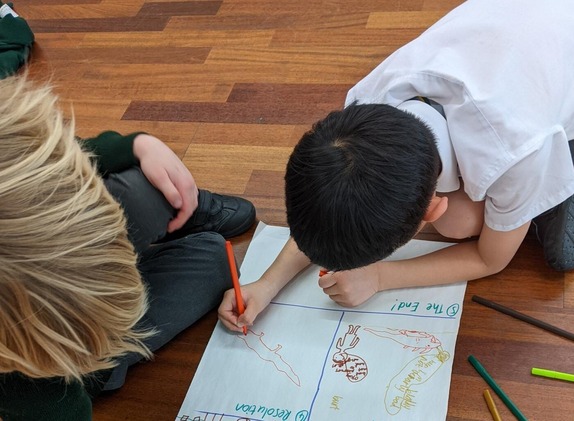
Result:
[[467, 128]]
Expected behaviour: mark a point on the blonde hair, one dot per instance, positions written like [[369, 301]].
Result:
[[70, 293]]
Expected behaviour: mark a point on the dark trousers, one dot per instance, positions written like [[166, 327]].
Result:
[[185, 277], [555, 231]]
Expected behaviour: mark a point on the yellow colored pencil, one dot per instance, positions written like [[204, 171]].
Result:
[[491, 406]]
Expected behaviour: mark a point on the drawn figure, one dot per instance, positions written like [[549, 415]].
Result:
[[354, 367], [421, 342], [254, 341], [401, 389]]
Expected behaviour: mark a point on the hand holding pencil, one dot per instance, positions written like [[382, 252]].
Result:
[[242, 304]]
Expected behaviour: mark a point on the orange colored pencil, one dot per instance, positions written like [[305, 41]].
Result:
[[235, 280]]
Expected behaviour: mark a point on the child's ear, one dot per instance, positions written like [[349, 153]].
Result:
[[436, 209]]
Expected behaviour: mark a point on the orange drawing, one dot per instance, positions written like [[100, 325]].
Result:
[[354, 367], [254, 341], [421, 342]]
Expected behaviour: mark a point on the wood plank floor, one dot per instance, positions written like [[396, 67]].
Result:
[[230, 86]]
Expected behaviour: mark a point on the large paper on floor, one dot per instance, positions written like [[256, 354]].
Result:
[[306, 358]]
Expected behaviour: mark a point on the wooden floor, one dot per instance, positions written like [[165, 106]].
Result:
[[231, 85]]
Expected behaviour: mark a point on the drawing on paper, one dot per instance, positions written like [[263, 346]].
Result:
[[383, 360], [402, 388], [254, 342], [354, 367], [421, 342]]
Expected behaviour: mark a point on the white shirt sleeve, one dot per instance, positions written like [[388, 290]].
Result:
[[538, 182]]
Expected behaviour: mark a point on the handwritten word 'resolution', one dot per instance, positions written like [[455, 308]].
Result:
[[271, 413]]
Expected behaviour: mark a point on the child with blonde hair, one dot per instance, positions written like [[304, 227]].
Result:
[[98, 267]]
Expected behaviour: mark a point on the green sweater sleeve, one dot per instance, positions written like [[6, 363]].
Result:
[[16, 39], [25, 399], [111, 151]]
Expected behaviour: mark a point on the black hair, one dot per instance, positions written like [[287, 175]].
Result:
[[358, 184]]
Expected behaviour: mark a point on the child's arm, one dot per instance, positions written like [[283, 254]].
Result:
[[462, 262], [167, 173], [111, 151], [161, 166], [259, 294]]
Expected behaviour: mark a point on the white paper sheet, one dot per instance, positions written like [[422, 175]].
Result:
[[308, 359]]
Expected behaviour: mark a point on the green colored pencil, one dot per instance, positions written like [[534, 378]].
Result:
[[503, 396]]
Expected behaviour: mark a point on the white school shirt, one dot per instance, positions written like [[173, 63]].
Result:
[[504, 73]]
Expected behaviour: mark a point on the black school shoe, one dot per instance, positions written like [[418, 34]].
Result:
[[555, 231], [227, 215]]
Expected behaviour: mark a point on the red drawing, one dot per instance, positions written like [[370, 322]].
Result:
[[354, 367], [421, 342], [254, 341]]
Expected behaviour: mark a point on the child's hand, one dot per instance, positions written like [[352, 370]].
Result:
[[169, 175], [350, 288], [256, 297]]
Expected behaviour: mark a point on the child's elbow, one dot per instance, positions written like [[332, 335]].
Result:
[[494, 262], [496, 267]]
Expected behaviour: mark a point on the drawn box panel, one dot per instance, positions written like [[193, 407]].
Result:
[[278, 364], [395, 369]]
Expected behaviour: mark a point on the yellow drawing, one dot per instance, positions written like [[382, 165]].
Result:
[[401, 389]]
